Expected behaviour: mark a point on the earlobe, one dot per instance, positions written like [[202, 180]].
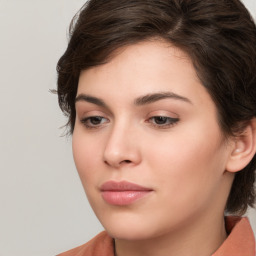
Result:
[[244, 148]]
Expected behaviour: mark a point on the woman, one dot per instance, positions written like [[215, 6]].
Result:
[[161, 101]]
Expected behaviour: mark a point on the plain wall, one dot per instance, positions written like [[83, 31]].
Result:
[[43, 209]]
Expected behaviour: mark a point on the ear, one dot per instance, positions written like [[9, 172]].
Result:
[[243, 148]]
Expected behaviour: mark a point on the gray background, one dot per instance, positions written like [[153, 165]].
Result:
[[43, 210]]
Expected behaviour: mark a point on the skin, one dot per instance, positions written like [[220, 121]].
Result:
[[183, 160]]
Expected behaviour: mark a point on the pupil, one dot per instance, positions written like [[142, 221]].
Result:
[[160, 120], [96, 120]]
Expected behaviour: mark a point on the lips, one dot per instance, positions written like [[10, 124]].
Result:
[[123, 193]]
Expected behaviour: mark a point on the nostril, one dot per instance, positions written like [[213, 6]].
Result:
[[127, 161], [118, 164]]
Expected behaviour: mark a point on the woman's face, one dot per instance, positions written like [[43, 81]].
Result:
[[144, 118]]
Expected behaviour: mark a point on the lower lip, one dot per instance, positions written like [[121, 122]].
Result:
[[123, 197]]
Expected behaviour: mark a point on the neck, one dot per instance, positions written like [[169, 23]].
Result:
[[200, 237]]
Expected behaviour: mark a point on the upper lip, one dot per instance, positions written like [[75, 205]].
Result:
[[122, 186]]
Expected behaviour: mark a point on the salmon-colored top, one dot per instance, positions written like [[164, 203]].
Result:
[[240, 242]]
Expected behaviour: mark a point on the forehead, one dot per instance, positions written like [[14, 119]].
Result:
[[143, 61], [143, 68]]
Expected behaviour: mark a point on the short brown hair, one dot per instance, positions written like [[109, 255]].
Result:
[[219, 36]]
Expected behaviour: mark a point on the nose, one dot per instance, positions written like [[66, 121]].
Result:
[[122, 148]]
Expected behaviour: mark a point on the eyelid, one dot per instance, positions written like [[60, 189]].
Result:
[[169, 117], [170, 122], [89, 113], [84, 121], [85, 118], [84, 107], [163, 113]]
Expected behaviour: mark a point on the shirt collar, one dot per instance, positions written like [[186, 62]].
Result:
[[240, 240]]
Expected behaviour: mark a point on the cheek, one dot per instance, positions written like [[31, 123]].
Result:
[[188, 164], [86, 153]]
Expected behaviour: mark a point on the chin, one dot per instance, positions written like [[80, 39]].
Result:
[[128, 233], [126, 226], [132, 227]]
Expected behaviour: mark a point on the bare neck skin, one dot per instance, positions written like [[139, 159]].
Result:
[[200, 238]]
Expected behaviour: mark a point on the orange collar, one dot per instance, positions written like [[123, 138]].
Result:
[[240, 241]]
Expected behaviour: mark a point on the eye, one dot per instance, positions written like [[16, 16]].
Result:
[[93, 122], [163, 121]]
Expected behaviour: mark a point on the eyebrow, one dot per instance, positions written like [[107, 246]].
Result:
[[150, 98], [90, 99], [140, 101]]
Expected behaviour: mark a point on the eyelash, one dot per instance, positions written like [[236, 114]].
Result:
[[170, 121], [87, 122]]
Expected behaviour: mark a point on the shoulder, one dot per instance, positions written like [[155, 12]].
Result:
[[100, 245]]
